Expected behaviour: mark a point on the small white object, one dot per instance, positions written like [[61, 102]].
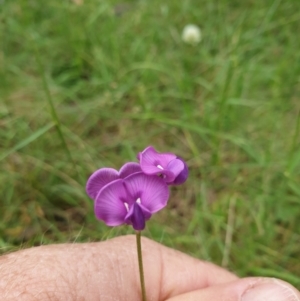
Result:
[[191, 34]]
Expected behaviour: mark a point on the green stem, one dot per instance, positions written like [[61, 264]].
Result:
[[141, 269], [53, 112]]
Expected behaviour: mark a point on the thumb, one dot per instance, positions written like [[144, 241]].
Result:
[[247, 289]]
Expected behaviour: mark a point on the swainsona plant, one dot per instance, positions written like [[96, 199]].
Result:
[[137, 191]]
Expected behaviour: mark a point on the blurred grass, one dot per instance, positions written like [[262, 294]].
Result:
[[120, 78]]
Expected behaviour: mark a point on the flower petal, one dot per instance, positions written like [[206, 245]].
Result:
[[150, 157], [99, 179], [183, 175], [146, 212], [109, 204], [153, 163], [128, 169], [152, 191], [136, 218], [176, 166]]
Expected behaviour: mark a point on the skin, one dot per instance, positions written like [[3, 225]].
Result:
[[108, 271]]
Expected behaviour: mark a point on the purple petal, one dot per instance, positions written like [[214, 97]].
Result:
[[152, 191], [176, 166], [167, 175], [109, 204], [150, 157], [153, 163], [146, 212], [183, 175], [136, 218], [128, 169], [99, 179]]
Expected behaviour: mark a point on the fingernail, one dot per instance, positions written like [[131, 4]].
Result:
[[271, 289]]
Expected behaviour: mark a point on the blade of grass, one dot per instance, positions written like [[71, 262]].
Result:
[[53, 112], [285, 275], [238, 141], [294, 156], [28, 140], [222, 109], [229, 231]]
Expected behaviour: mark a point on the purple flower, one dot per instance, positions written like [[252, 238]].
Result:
[[131, 200], [103, 176], [172, 168]]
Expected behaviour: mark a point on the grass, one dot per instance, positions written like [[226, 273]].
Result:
[[86, 86]]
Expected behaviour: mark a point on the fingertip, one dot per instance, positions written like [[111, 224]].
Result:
[[246, 289]]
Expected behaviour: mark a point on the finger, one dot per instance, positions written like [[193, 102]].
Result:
[[178, 272], [105, 271], [247, 289]]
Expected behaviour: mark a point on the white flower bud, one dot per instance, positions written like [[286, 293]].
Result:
[[191, 34]]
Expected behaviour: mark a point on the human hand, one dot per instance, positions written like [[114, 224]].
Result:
[[108, 271]]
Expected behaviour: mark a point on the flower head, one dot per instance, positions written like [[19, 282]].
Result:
[[131, 200], [132, 194], [104, 176], [191, 34], [173, 169]]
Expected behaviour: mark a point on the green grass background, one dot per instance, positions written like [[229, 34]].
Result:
[[87, 86]]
